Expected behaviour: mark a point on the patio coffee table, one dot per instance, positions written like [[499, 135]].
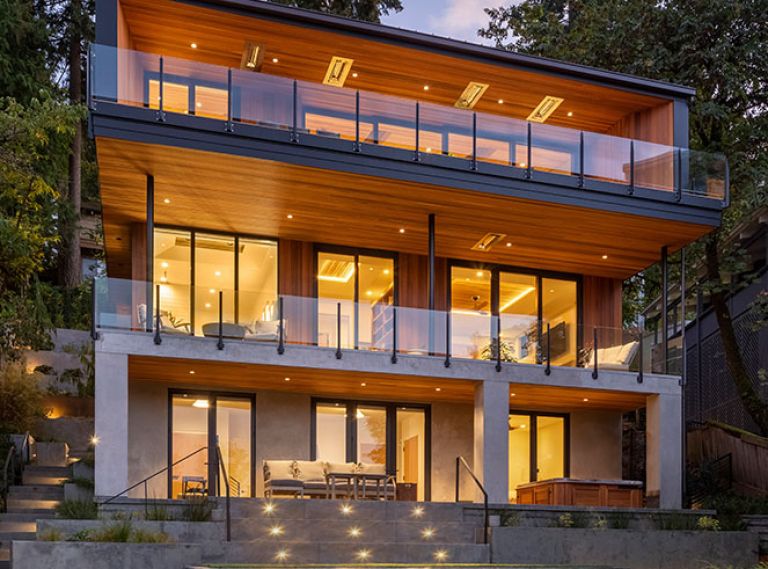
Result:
[[355, 480]]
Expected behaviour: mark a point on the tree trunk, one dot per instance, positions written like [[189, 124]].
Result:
[[750, 398], [70, 264]]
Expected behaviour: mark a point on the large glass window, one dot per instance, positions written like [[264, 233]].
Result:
[[489, 301], [233, 431], [371, 434], [363, 286], [189, 433], [411, 440], [331, 432], [537, 449], [192, 268]]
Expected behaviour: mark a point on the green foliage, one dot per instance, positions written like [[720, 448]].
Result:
[[731, 509], [565, 521], [367, 10], [158, 513], [675, 522], [21, 400], [510, 518], [51, 534], [707, 523], [120, 532], [620, 520], [197, 509], [77, 510], [23, 41], [80, 482]]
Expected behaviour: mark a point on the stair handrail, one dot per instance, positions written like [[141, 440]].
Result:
[[150, 477], [460, 461], [223, 469], [8, 463]]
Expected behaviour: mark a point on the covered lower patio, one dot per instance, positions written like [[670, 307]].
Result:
[[408, 429]]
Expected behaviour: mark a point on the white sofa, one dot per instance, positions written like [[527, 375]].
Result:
[[617, 358]]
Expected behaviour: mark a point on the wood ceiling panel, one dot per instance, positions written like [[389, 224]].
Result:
[[168, 28], [384, 387], [245, 195]]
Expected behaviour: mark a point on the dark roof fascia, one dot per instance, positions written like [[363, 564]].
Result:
[[446, 45]]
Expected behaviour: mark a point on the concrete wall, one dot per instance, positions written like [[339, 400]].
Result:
[[148, 436], [452, 435], [596, 445], [631, 549], [66, 555]]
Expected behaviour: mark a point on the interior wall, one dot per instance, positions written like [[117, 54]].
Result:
[[596, 445], [452, 436]]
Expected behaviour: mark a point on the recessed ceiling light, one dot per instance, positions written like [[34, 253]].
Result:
[[386, 271], [164, 264], [509, 244], [368, 293], [275, 60], [354, 75], [217, 273], [551, 290], [512, 394], [163, 279], [500, 101], [287, 379], [289, 216], [438, 389], [479, 274], [191, 372], [212, 290], [207, 304], [586, 400], [198, 104], [193, 45], [362, 384], [426, 87], [166, 201], [402, 230], [570, 113], [605, 257]]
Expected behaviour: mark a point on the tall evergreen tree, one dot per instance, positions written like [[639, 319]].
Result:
[[24, 70], [367, 10], [719, 47]]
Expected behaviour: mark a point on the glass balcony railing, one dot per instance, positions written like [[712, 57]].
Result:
[[405, 127], [226, 316]]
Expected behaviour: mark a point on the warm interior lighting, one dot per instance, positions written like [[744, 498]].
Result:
[[479, 274], [207, 304], [253, 57], [438, 389], [363, 384], [217, 273], [471, 95], [500, 101], [545, 108], [586, 400], [360, 414], [354, 75], [164, 264], [201, 404], [337, 72], [509, 244], [525, 292], [289, 216], [487, 241], [336, 271], [191, 372]]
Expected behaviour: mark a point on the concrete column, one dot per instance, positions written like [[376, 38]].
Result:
[[663, 448], [491, 445], [111, 423]]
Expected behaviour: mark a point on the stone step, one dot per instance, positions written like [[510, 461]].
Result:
[[334, 509], [45, 475], [36, 492], [16, 506], [361, 530], [26, 516], [7, 526], [343, 552]]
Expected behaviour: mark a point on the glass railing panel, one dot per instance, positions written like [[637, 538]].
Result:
[[387, 121], [471, 334], [616, 349], [121, 304], [119, 75], [191, 88], [421, 332], [258, 313], [554, 149], [607, 158], [445, 130], [328, 111], [706, 174], [262, 100], [501, 140], [654, 166]]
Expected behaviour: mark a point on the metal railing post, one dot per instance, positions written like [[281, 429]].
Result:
[[158, 339], [447, 338], [581, 159], [679, 193], [641, 355], [295, 127], [548, 369], [229, 127], [220, 343], [458, 473], [338, 330], [631, 189], [474, 141], [594, 348], [281, 327], [160, 112], [357, 121], [417, 150], [394, 335], [94, 317], [498, 342], [528, 168], [146, 500]]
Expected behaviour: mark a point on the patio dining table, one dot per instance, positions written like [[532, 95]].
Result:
[[356, 480]]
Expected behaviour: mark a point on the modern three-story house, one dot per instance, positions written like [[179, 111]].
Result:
[[331, 242]]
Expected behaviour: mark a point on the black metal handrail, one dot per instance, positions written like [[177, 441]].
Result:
[[459, 463], [150, 477], [9, 475]]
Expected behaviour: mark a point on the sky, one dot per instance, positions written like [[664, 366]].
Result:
[[458, 19]]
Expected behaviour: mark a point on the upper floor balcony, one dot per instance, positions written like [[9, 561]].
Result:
[[410, 138]]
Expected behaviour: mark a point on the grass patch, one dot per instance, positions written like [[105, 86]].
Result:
[[158, 513], [77, 510], [197, 509]]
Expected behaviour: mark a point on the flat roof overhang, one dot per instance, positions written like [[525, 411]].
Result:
[[245, 194], [224, 376], [390, 60]]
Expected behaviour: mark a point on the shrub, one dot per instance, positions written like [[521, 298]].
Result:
[[50, 535], [730, 509], [620, 520], [510, 518], [21, 400], [77, 510], [600, 522], [565, 521], [157, 513], [197, 509], [675, 522], [707, 523], [119, 532]]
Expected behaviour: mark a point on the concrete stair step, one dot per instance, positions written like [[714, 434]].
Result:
[[44, 479], [26, 526], [357, 530], [36, 492], [346, 553], [36, 507], [26, 516]]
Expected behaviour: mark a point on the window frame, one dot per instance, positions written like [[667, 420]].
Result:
[[533, 458]]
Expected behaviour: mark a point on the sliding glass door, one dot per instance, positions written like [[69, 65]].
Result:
[[387, 434], [199, 421], [515, 306], [355, 295], [538, 448]]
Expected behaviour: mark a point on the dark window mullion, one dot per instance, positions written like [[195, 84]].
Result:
[[534, 442], [192, 303], [352, 432]]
